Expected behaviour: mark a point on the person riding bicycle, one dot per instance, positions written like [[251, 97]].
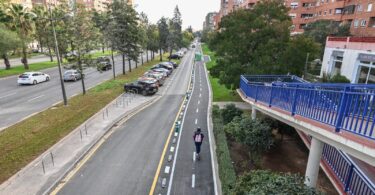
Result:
[[198, 139]]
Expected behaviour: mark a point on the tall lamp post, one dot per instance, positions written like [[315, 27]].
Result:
[[58, 58]]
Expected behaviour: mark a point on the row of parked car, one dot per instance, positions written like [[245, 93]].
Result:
[[151, 80]]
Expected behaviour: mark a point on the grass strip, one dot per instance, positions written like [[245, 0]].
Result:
[[226, 170], [220, 92], [25, 141], [16, 70]]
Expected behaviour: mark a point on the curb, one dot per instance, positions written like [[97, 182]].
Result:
[[215, 166]]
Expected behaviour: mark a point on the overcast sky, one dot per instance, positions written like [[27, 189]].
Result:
[[193, 11]]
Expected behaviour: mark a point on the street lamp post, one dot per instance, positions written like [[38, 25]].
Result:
[[58, 58]]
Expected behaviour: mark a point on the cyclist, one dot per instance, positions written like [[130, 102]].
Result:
[[198, 139]]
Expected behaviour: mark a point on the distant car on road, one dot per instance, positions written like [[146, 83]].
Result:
[[142, 87], [103, 63], [32, 78], [72, 75]]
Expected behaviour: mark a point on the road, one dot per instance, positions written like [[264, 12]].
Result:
[[18, 102], [126, 163]]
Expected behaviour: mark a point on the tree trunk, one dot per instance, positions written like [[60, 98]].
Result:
[[147, 55], [49, 50], [123, 64], [40, 44], [24, 57], [170, 53], [6, 61], [103, 48], [130, 65], [142, 57], [161, 55], [81, 71], [113, 65]]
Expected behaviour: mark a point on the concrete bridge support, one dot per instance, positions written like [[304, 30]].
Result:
[[312, 169], [253, 112]]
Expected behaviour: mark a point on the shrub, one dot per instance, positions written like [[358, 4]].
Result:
[[229, 112]]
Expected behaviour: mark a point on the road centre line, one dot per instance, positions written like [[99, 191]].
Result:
[[196, 121], [194, 156], [8, 95], [199, 101], [197, 110], [37, 97]]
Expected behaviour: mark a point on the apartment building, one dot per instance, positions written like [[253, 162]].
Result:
[[209, 22], [360, 14]]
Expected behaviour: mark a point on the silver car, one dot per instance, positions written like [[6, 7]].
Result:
[[72, 75]]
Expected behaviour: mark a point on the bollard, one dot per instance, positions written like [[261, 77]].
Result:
[[44, 169], [106, 111], [80, 132], [53, 160], [86, 129], [103, 115]]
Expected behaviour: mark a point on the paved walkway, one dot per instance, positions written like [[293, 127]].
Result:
[[17, 61], [46, 170], [240, 105]]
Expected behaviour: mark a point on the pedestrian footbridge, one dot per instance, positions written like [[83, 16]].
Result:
[[335, 121]]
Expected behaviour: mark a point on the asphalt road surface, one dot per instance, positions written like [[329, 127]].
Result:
[[126, 163], [18, 102]]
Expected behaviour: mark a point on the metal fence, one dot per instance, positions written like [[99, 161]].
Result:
[[345, 106]]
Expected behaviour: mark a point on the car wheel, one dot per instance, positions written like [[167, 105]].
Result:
[[144, 92], [47, 78], [75, 79], [34, 82]]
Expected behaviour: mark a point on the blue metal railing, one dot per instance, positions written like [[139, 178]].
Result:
[[344, 106]]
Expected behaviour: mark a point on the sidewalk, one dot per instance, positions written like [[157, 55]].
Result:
[[48, 169]]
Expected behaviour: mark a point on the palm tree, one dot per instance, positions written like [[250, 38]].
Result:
[[42, 28], [21, 20]]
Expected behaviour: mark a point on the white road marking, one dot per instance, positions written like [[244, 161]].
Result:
[[172, 149], [35, 98], [193, 181], [8, 95], [166, 170], [196, 121], [199, 102], [197, 110], [200, 95], [201, 89], [194, 156]]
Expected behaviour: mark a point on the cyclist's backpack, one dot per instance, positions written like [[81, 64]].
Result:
[[198, 138]]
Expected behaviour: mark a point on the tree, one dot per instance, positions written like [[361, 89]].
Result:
[[9, 41], [187, 38], [84, 37], [100, 20], [21, 20], [163, 36], [252, 133], [294, 57], [152, 39], [175, 31], [320, 29], [124, 27], [229, 112], [251, 42], [143, 26], [267, 182], [42, 28]]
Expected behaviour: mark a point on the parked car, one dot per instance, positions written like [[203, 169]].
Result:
[[32, 78], [103, 63], [72, 75], [142, 87], [164, 65], [174, 56], [168, 72], [155, 75], [174, 64], [164, 74]]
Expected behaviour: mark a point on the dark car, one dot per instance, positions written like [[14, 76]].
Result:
[[144, 87], [103, 63], [174, 56], [164, 65], [174, 64]]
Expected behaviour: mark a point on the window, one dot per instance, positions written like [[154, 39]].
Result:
[[294, 5], [369, 7], [325, 12], [372, 22], [355, 23], [330, 11], [338, 10], [301, 26], [292, 15], [363, 23], [359, 8], [337, 63]]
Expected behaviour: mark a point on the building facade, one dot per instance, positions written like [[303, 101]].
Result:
[[209, 22], [352, 57], [359, 14]]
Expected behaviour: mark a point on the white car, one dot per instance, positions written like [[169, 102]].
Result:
[[32, 78]]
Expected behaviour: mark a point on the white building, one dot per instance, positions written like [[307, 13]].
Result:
[[352, 57]]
